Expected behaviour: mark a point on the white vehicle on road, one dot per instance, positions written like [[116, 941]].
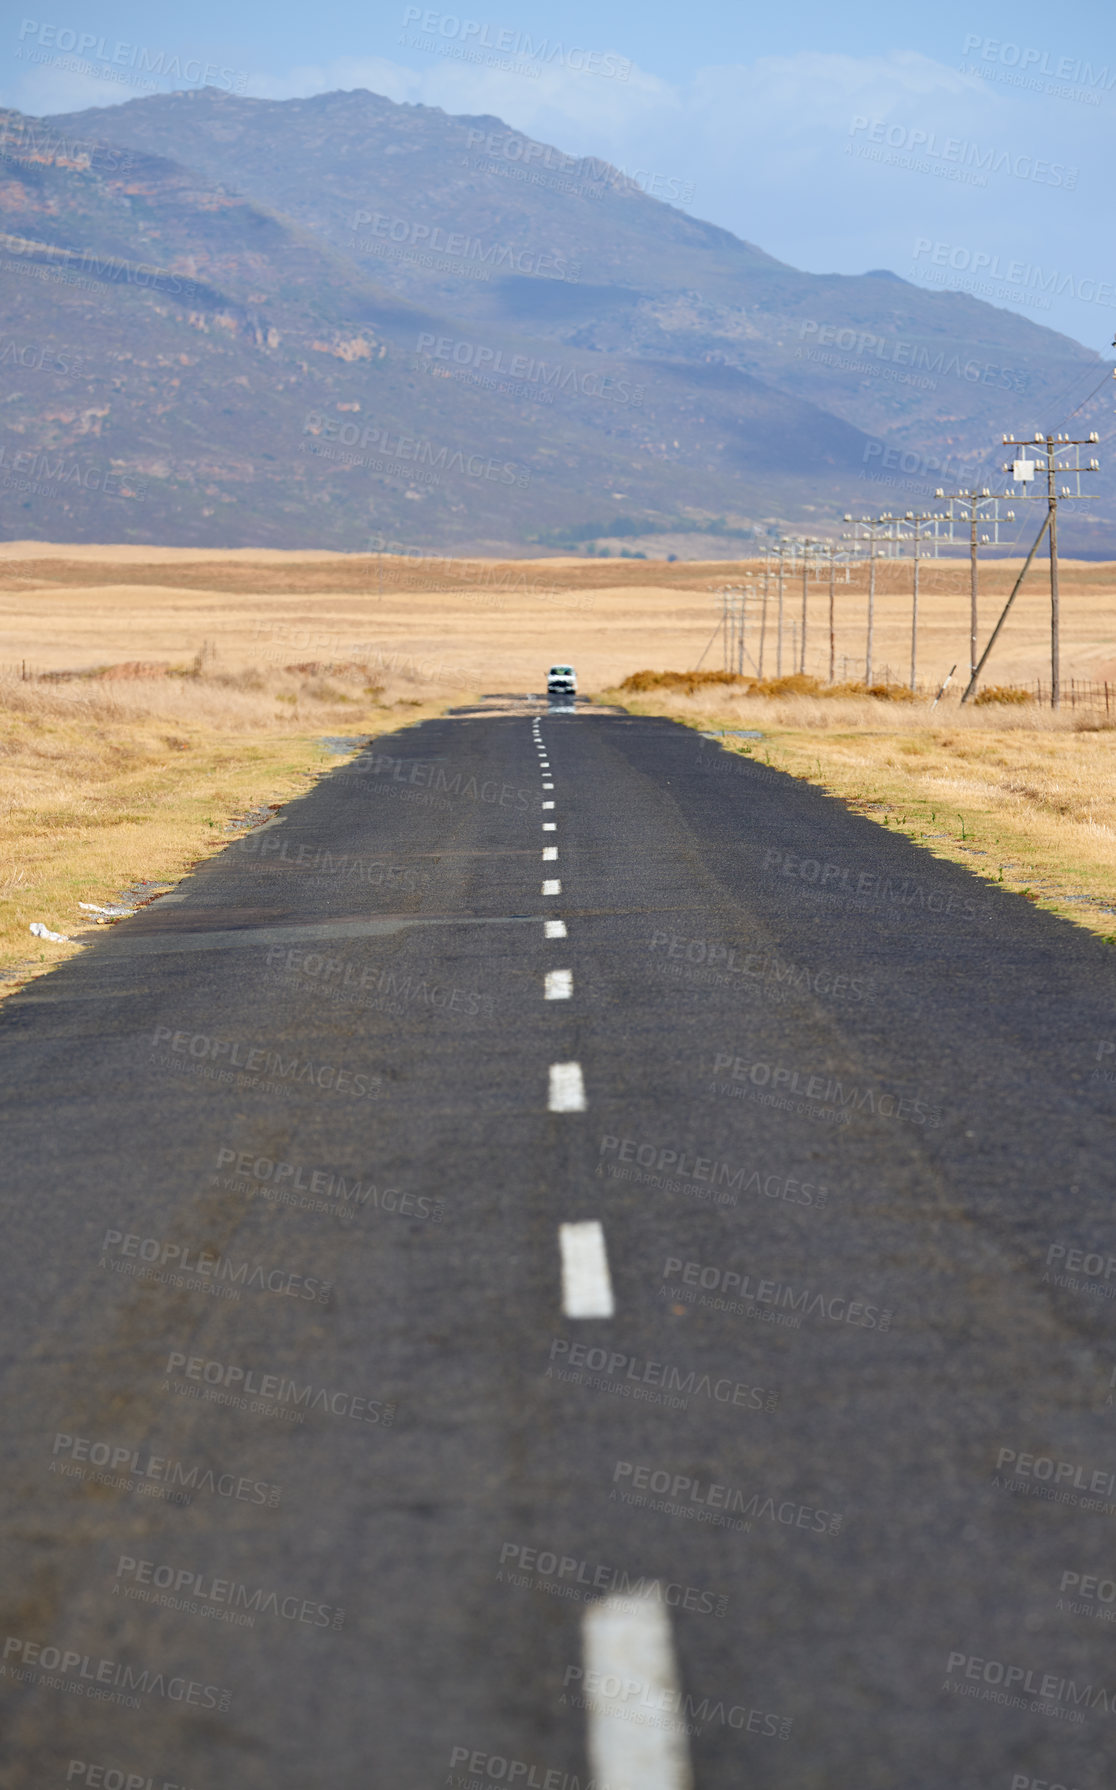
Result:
[[561, 680]]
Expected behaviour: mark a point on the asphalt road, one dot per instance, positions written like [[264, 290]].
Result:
[[312, 1481]]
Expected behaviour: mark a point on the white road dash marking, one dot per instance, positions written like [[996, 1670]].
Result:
[[554, 929], [552, 886], [550, 852], [548, 804], [627, 1642], [567, 1089], [550, 826], [548, 786], [586, 1284], [558, 985]]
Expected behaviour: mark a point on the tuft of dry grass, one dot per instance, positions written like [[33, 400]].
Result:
[[110, 783]]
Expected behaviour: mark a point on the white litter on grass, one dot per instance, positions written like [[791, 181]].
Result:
[[111, 913], [44, 932]]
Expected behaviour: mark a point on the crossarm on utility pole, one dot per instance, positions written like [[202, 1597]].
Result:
[[971, 685]]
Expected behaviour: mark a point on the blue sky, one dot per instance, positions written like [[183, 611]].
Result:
[[959, 145]]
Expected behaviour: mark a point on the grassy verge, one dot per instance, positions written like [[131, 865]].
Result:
[[112, 788], [1022, 797]]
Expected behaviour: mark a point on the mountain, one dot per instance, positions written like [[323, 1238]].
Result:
[[323, 322]]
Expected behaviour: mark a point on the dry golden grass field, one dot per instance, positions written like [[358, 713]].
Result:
[[155, 700]]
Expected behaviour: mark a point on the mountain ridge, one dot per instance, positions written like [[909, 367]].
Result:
[[769, 397]]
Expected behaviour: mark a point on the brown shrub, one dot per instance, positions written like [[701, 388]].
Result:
[[1002, 693], [688, 682]]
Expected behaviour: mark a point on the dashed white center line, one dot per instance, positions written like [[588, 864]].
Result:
[[558, 985], [550, 852], [550, 826], [554, 929], [586, 1284], [627, 1643], [552, 886], [548, 804], [548, 786], [567, 1088]]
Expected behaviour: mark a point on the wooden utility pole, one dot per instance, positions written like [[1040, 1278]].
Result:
[[1059, 452], [873, 531], [829, 551], [734, 617], [1055, 617], [977, 507], [807, 560], [919, 524]]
